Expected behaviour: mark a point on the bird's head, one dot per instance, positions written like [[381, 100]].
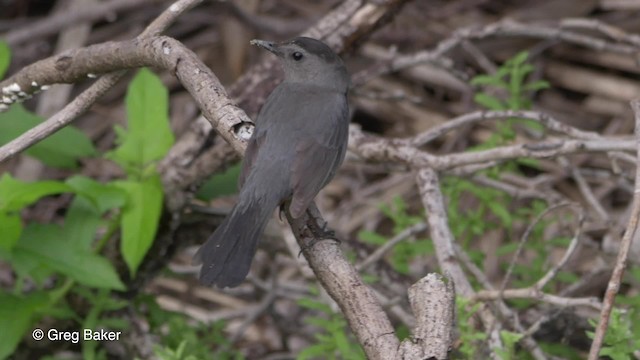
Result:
[[309, 61]]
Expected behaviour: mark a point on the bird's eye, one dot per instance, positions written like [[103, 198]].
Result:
[[297, 56]]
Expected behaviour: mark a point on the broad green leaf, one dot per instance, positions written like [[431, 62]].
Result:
[[222, 184], [26, 266], [81, 224], [103, 196], [15, 194], [49, 246], [140, 219], [11, 229], [488, 101], [61, 149], [148, 136], [17, 315], [5, 58]]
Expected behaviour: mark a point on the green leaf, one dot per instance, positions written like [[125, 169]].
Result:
[[314, 305], [520, 58], [5, 60], [11, 229], [501, 211], [513, 103], [17, 315], [48, 245], [503, 71], [15, 194], [317, 351], [529, 162], [61, 149], [488, 80], [222, 184], [488, 101], [537, 85], [371, 237], [148, 136], [81, 224], [140, 218], [507, 249], [103, 196]]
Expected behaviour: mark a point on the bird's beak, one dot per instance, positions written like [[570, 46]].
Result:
[[267, 45]]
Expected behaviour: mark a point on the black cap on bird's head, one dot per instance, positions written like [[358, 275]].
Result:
[[309, 61]]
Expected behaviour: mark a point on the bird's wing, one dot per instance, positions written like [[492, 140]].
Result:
[[250, 156], [259, 135], [318, 156]]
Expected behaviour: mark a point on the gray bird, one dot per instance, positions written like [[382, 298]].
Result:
[[297, 145]]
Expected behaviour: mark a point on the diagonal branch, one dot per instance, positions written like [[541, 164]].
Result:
[[623, 253]]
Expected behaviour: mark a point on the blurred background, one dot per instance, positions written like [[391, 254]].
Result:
[[281, 312]]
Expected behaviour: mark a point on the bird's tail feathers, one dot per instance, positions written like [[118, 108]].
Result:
[[226, 256]]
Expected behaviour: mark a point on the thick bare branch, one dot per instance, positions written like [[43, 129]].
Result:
[[343, 283], [433, 302]]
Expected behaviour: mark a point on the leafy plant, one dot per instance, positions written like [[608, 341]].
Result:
[[469, 336], [334, 341], [403, 252], [182, 339], [510, 340], [222, 184], [490, 210], [70, 253], [147, 139], [620, 342], [510, 78], [63, 149]]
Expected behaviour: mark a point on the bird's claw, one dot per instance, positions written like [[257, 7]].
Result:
[[319, 234]]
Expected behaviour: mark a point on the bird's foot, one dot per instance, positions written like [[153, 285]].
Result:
[[319, 234], [324, 233]]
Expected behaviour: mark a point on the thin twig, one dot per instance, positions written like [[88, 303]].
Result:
[[264, 305], [623, 253], [525, 238], [573, 245], [379, 253], [60, 21], [88, 97], [479, 116], [533, 293], [528, 341]]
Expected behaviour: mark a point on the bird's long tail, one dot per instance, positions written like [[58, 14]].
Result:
[[226, 256]]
